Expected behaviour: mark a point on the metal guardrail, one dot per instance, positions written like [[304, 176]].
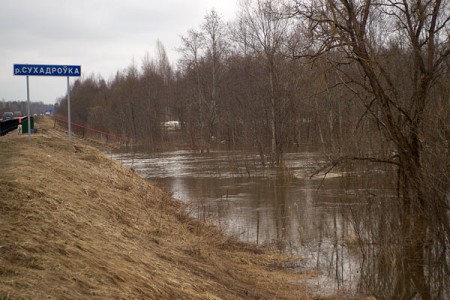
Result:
[[90, 133], [8, 125]]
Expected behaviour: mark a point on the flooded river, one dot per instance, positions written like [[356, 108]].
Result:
[[322, 219]]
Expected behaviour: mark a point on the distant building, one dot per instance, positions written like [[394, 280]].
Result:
[[171, 125]]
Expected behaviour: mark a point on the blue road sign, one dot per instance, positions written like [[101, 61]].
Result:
[[46, 70]]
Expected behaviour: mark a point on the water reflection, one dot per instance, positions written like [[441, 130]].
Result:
[[349, 229]]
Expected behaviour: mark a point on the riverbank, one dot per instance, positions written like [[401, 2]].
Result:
[[76, 224]]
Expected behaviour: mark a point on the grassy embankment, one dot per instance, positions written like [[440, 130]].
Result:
[[76, 224]]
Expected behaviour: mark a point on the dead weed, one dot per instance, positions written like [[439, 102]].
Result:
[[76, 224]]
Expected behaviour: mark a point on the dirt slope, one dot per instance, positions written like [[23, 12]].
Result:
[[75, 224]]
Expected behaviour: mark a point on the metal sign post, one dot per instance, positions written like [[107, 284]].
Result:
[[28, 108], [69, 121], [48, 70]]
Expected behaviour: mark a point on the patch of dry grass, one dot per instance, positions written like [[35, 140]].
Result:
[[75, 224]]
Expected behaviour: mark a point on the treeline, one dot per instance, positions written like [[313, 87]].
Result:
[[264, 81], [132, 105], [21, 106], [236, 84]]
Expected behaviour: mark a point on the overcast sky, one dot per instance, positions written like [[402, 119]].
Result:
[[102, 36]]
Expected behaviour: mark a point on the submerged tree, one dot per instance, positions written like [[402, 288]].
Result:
[[265, 33], [393, 55], [192, 51], [216, 47]]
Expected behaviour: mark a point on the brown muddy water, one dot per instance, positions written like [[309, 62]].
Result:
[[336, 224]]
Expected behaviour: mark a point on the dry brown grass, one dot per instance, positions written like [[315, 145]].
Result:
[[75, 224]]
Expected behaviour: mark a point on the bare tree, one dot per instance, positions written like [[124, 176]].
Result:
[[265, 32], [162, 62], [403, 100], [192, 50], [216, 47]]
